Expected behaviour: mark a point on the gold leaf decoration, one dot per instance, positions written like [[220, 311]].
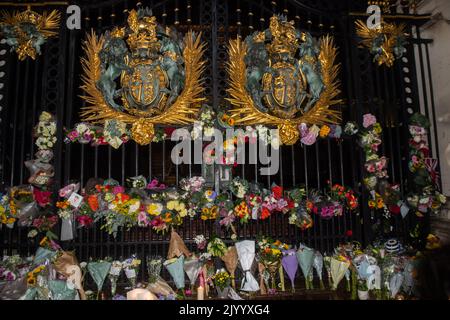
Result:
[[26, 41], [244, 111], [182, 112], [388, 33]]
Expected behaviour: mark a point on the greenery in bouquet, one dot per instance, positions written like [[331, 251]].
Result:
[[216, 247]]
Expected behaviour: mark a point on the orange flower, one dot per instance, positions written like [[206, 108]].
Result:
[[324, 131], [265, 213], [93, 202], [62, 204], [231, 122], [168, 217], [309, 204]]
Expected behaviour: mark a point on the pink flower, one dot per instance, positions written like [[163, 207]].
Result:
[[118, 189], [72, 135], [370, 167], [142, 218], [37, 223], [369, 120]]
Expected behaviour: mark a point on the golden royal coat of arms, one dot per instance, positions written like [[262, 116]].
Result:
[[283, 77], [143, 75]]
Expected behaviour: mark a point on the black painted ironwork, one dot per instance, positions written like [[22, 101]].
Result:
[[52, 83]]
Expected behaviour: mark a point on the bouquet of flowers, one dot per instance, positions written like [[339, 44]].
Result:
[[270, 255], [221, 281], [200, 241], [239, 187], [131, 268], [99, 270], [216, 247], [114, 273]]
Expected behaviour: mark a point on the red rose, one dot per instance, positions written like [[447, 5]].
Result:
[[168, 131], [42, 197], [349, 233], [84, 220], [394, 209], [277, 192], [291, 204]]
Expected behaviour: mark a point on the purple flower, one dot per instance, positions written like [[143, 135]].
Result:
[[118, 189], [369, 120], [10, 276], [119, 297]]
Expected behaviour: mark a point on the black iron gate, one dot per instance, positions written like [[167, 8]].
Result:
[[52, 83]]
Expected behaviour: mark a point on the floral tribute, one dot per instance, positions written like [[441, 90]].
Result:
[[383, 271], [156, 206], [425, 197], [30, 205], [426, 177], [384, 197]]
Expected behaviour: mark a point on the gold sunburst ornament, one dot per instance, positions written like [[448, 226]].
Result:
[[142, 75], [386, 42], [282, 77], [27, 31]]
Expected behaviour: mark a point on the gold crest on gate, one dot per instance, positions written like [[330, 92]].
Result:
[[143, 75], [282, 77]]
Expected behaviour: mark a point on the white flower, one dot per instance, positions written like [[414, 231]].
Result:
[[81, 128], [33, 233], [208, 131], [64, 214], [199, 239], [292, 218], [82, 266], [234, 236]]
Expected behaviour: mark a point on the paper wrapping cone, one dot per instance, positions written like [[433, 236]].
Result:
[[99, 271], [262, 286], [64, 264], [246, 254], [230, 258], [338, 269], [395, 283], [60, 291], [192, 268], [160, 287], [177, 247], [290, 264], [176, 270]]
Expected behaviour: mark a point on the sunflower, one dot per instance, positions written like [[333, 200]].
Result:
[[31, 281]]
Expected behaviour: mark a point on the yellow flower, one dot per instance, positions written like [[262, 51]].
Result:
[[10, 220], [182, 213], [154, 209], [43, 241], [214, 211], [324, 131], [4, 219], [172, 204], [377, 128], [205, 211]]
